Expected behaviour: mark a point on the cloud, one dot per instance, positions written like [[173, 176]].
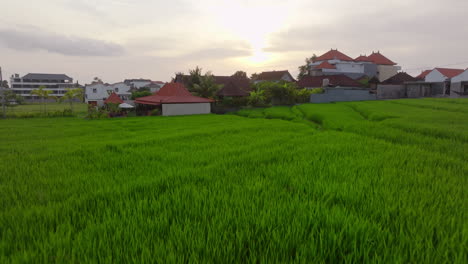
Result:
[[218, 53], [30, 38]]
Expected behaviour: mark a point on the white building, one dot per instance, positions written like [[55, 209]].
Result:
[[442, 74], [96, 93], [459, 85], [335, 62], [138, 83], [57, 83]]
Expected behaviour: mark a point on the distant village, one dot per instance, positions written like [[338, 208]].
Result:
[[331, 77]]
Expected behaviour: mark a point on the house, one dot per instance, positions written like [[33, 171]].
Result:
[[154, 86], [385, 67], [459, 85], [138, 83], [274, 76], [97, 92], [399, 79], [113, 99], [175, 99], [233, 86], [423, 75], [442, 74], [57, 83], [335, 62], [310, 82]]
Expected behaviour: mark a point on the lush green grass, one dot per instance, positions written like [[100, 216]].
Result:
[[36, 109], [353, 182]]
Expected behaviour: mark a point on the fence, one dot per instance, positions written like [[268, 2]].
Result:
[[343, 95]]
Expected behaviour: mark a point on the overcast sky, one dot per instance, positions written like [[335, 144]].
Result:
[[118, 39]]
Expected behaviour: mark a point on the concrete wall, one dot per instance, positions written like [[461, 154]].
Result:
[[390, 91], [409, 90], [342, 95], [387, 71], [186, 109]]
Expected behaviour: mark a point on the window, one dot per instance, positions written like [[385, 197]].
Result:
[[94, 90], [116, 90]]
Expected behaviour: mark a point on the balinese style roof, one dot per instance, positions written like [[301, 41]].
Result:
[[46, 76], [232, 90], [233, 86], [400, 78], [423, 74], [335, 80], [272, 76], [380, 59], [362, 58], [172, 93], [325, 65], [333, 55], [113, 99], [450, 73]]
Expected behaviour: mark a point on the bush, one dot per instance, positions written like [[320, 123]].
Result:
[[155, 112], [95, 113], [139, 94]]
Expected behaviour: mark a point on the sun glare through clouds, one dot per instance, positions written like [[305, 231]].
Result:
[[253, 23]]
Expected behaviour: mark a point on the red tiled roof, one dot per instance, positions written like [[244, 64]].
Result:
[[400, 78], [334, 55], [172, 93], [335, 80], [449, 73], [272, 76], [362, 58], [113, 99], [380, 59], [325, 65], [423, 74]]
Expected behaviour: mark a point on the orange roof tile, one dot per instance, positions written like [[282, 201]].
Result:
[[334, 55]]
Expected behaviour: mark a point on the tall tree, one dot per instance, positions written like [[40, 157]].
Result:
[[71, 94], [240, 74], [200, 84], [207, 87], [304, 69], [4, 84], [254, 76], [43, 94]]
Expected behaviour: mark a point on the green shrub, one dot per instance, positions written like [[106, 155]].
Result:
[[155, 112]]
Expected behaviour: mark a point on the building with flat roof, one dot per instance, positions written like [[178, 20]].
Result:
[[57, 83]]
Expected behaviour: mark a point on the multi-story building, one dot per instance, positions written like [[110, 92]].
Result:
[[334, 62], [97, 92], [57, 83]]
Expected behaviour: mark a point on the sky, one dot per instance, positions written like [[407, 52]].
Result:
[[120, 39]]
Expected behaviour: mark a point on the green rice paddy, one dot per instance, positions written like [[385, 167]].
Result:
[[361, 182]]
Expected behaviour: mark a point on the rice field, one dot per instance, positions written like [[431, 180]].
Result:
[[360, 182], [36, 109]]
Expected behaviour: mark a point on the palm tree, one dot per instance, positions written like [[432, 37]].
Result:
[[72, 94], [207, 87], [43, 94]]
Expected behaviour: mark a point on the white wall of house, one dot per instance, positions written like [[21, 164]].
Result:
[[435, 76], [99, 92], [139, 84], [351, 67], [186, 109], [287, 78], [463, 77]]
